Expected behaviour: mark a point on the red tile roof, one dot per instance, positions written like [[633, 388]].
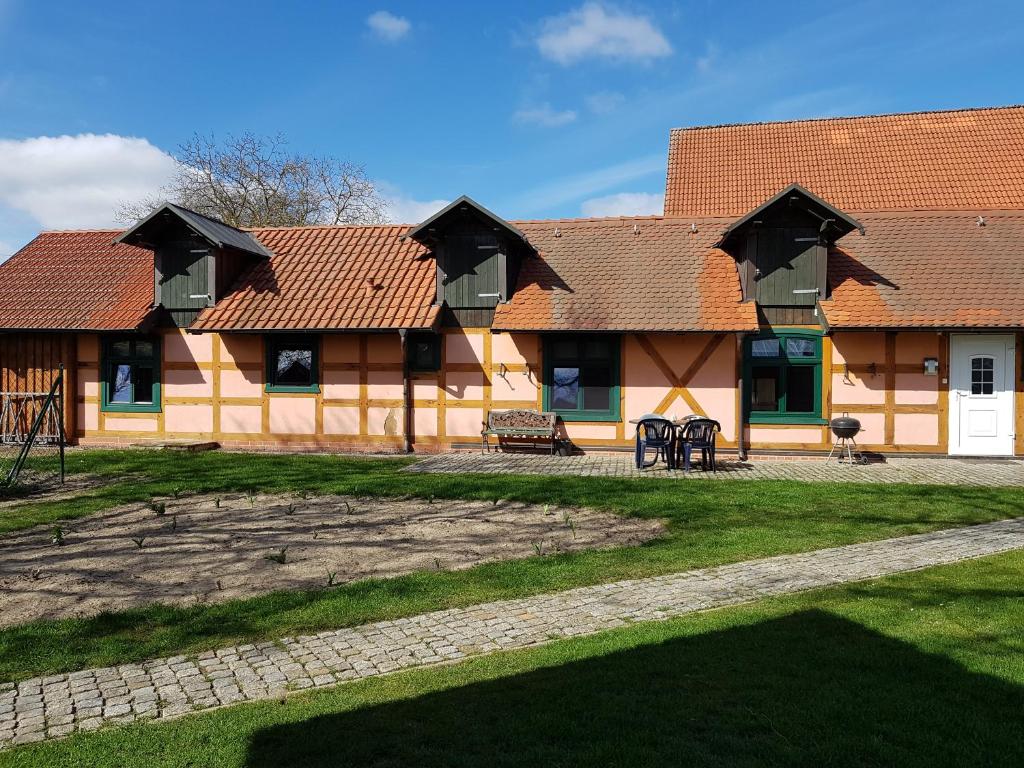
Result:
[[929, 269], [344, 277], [602, 275], [963, 159], [76, 281]]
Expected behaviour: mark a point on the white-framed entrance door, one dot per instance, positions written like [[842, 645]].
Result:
[[981, 395]]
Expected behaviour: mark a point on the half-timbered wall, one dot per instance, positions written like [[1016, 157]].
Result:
[[213, 389]]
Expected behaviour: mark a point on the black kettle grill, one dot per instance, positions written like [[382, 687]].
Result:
[[845, 428]]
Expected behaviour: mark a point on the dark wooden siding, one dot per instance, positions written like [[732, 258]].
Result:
[[183, 275], [471, 265], [788, 266], [29, 363]]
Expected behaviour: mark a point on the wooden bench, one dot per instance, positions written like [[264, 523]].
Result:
[[518, 424]]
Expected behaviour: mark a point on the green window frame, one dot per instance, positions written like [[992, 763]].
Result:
[[423, 352], [130, 374], [581, 376], [782, 378], [288, 355]]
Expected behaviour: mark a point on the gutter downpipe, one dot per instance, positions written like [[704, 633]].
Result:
[[741, 427], [406, 445]]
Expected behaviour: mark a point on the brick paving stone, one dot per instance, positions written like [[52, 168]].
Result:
[[931, 470], [51, 707]]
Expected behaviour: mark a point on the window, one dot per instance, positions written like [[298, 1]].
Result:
[[782, 378], [581, 377], [982, 376], [131, 375], [293, 364], [424, 352]]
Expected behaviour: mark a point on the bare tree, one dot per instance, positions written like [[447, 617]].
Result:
[[252, 181]]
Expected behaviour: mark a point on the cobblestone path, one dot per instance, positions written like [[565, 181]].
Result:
[[938, 470], [53, 706]]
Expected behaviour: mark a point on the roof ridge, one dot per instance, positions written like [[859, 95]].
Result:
[[837, 118], [324, 226], [86, 230]]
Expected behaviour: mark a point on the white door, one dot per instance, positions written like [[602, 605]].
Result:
[[981, 394]]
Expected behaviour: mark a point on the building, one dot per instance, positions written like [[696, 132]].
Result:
[[868, 265]]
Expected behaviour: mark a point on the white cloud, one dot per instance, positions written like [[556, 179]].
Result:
[[544, 114], [597, 30], [6, 250], [387, 26], [79, 181], [624, 204], [604, 102], [555, 192], [707, 61], [406, 210]]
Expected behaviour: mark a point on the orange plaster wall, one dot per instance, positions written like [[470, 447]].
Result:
[[341, 421], [463, 347], [243, 349], [425, 422], [341, 385], [712, 386], [114, 423], [916, 429], [181, 347], [244, 382], [383, 348], [515, 349], [464, 385], [872, 428], [340, 348], [292, 415], [194, 382], [795, 434], [187, 418], [916, 389], [859, 388], [514, 385], [384, 385], [463, 422], [241, 419], [590, 431], [859, 348], [424, 388]]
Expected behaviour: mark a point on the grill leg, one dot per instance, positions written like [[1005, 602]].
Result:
[[834, 446]]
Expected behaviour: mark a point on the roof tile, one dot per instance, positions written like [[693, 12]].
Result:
[[963, 159]]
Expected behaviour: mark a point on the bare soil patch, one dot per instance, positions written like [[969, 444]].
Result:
[[209, 548]]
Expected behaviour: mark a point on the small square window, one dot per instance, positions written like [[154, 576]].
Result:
[[424, 352], [292, 364]]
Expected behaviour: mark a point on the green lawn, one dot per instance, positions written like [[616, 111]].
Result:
[[920, 669], [708, 523]]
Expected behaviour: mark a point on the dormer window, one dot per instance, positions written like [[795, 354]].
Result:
[[477, 255], [781, 248], [195, 258]]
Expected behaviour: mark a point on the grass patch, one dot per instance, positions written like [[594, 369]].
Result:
[[918, 669], [708, 523]]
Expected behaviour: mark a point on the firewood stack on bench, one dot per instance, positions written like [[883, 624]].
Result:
[[519, 424]]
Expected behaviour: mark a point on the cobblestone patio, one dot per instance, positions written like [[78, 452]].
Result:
[[57, 705], [939, 471]]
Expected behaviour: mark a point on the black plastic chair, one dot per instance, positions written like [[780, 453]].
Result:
[[659, 434], [698, 434]]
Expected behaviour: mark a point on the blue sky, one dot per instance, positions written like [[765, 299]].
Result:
[[536, 109]]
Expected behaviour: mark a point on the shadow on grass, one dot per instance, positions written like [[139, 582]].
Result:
[[809, 688]]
